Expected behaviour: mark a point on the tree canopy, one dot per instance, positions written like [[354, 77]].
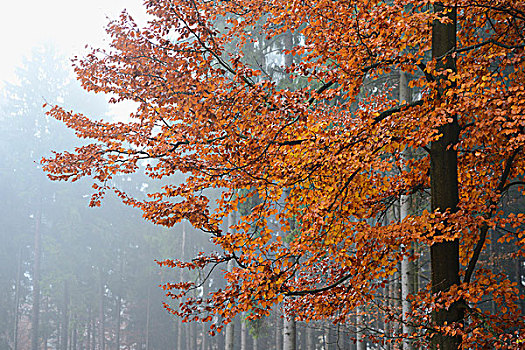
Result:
[[321, 146]]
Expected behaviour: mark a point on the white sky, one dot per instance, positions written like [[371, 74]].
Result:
[[67, 24]]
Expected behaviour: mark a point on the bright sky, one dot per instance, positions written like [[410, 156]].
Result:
[[67, 24]]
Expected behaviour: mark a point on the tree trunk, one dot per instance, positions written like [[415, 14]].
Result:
[[101, 332], [243, 332], [289, 333], [203, 343], [93, 333], [278, 329], [75, 335], [17, 299], [65, 317], [181, 278], [407, 268], [36, 283], [309, 337], [230, 328], [148, 317], [444, 185], [361, 344], [88, 326], [119, 301], [118, 321]]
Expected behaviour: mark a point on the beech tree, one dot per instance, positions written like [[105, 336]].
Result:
[[336, 148]]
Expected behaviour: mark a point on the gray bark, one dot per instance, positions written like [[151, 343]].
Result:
[[407, 268], [361, 344], [289, 333], [230, 327], [243, 332], [181, 278]]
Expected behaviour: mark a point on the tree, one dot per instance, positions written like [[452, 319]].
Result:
[[335, 143]]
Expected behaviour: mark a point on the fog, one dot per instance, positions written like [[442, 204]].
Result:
[[87, 277]]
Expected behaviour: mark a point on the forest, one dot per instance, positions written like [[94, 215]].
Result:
[[313, 175]]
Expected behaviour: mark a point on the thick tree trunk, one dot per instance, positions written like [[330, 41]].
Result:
[[36, 284], [444, 185]]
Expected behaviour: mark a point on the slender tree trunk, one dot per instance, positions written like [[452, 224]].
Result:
[[36, 283], [181, 278], [204, 330], [407, 268], [45, 312], [243, 332], [309, 336], [230, 328], [278, 329], [65, 317], [101, 332], [289, 333], [148, 316], [444, 185], [88, 326], [75, 335], [93, 333], [119, 301], [361, 344], [17, 299]]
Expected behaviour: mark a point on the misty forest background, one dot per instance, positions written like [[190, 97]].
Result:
[[73, 277], [76, 277]]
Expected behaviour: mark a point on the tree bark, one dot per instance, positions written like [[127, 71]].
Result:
[[407, 268], [289, 333], [309, 337], [361, 344], [243, 332], [278, 329], [444, 185], [230, 328]]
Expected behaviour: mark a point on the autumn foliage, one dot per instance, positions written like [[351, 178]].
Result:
[[321, 149]]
